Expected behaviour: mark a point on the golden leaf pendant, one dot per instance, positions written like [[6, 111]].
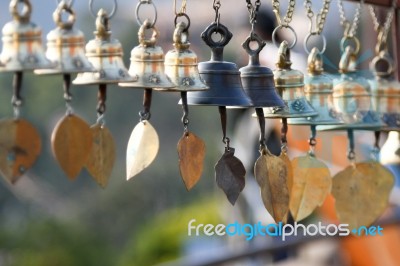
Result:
[[71, 143], [312, 183], [102, 155], [271, 174], [20, 146], [191, 152], [362, 193], [142, 148]]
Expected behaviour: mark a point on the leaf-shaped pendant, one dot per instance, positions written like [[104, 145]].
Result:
[[191, 152], [102, 155], [312, 183], [289, 167], [362, 193], [71, 143], [230, 175], [20, 145], [142, 148], [271, 174]]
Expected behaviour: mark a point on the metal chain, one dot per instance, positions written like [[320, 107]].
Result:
[[320, 18], [253, 10], [182, 9], [383, 29], [289, 13], [350, 29]]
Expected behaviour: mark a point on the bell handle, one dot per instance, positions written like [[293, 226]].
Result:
[[103, 25], [147, 25], [315, 64], [25, 15], [57, 16], [382, 65], [217, 47], [347, 62], [254, 54], [284, 56], [181, 35]]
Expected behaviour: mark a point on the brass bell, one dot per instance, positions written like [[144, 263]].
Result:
[[181, 63], [352, 98], [290, 86], [66, 45], [222, 77], [258, 81], [147, 62], [386, 92], [22, 41], [105, 54], [318, 90]]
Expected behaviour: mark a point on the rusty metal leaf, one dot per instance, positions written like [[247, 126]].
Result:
[[362, 193], [289, 167], [191, 152], [271, 174], [230, 175], [312, 183], [20, 146], [71, 144], [142, 148], [102, 155]]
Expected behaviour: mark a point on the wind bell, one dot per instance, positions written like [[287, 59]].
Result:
[[22, 51], [105, 54], [181, 68], [367, 182], [270, 171], [312, 179], [147, 67], [226, 89], [71, 138]]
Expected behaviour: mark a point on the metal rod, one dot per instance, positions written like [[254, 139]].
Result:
[[261, 122], [102, 97], [17, 86]]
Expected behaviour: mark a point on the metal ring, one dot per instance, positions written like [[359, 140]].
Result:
[[346, 39], [183, 15], [112, 13], [149, 2], [25, 13], [70, 3], [57, 16], [253, 38], [382, 58], [287, 27], [307, 39]]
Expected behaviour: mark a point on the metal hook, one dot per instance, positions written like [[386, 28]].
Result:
[[185, 117], [351, 155], [312, 141], [284, 131], [112, 13], [182, 10], [70, 3]]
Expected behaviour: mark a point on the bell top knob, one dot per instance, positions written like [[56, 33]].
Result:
[[254, 55], [25, 15], [143, 41], [102, 25], [181, 37], [284, 75], [57, 16], [217, 48], [316, 82], [347, 62]]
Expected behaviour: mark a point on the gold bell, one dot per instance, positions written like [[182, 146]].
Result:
[[318, 90], [22, 41], [147, 62], [352, 98], [386, 93], [181, 63], [290, 86], [66, 45], [105, 54]]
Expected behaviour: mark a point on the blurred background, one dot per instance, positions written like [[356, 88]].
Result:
[[47, 220]]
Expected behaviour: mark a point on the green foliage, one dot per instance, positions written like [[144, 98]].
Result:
[[162, 239]]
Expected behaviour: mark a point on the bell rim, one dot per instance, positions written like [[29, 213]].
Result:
[[287, 115], [62, 71], [134, 85], [358, 127], [305, 122]]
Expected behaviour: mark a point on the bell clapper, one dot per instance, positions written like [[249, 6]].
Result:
[[351, 155], [17, 99], [101, 104]]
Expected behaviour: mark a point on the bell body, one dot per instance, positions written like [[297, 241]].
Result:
[[221, 76], [22, 42], [257, 80], [386, 102], [147, 68], [318, 89], [181, 64], [105, 55], [66, 46]]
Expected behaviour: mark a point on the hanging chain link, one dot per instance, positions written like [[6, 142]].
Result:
[[320, 18], [382, 29], [253, 10], [217, 6], [289, 13], [350, 29], [182, 10]]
